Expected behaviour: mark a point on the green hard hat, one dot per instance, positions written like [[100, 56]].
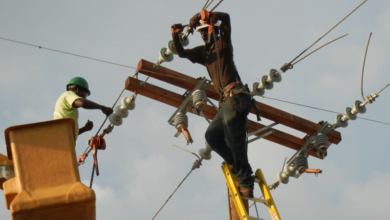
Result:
[[79, 81]]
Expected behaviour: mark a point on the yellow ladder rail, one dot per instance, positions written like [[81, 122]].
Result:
[[237, 198]]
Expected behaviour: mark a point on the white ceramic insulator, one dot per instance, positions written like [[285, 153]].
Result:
[[283, 177], [290, 170], [264, 84], [128, 102], [171, 48], [256, 90], [115, 119], [164, 57], [121, 111], [340, 123], [205, 153], [181, 119], [185, 41], [358, 109], [348, 114], [273, 76]]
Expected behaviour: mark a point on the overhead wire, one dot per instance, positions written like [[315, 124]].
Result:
[[90, 58], [364, 63], [172, 194], [326, 109], [318, 49], [328, 31]]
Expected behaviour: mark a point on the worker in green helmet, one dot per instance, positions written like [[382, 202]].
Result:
[[75, 97]]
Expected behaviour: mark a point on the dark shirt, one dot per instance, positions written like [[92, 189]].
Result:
[[207, 56]]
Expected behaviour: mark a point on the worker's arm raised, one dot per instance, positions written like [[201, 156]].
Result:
[[176, 29], [84, 103], [225, 21]]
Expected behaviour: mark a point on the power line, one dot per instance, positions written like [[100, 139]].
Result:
[[307, 106], [90, 58]]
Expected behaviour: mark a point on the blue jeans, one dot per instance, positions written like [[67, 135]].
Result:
[[226, 135]]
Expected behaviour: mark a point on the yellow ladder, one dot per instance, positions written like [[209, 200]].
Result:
[[237, 198]]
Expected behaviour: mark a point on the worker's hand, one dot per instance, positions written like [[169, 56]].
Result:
[[88, 126], [107, 111], [177, 28], [194, 21]]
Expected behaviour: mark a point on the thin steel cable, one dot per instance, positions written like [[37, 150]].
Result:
[[383, 89], [186, 151], [90, 58], [172, 194], [328, 31], [325, 109], [257, 211], [364, 63], [204, 7], [93, 172], [318, 49], [216, 5]]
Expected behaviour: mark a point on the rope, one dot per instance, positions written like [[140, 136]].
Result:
[[73, 54], [325, 109], [364, 63]]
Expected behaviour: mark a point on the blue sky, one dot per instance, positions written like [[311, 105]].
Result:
[[140, 168]]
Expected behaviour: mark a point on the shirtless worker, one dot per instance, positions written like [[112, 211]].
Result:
[[226, 134], [75, 96]]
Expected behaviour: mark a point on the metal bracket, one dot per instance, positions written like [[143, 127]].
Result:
[[307, 146], [186, 105], [260, 130]]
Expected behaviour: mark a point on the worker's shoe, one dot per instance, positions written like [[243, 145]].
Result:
[[246, 192]]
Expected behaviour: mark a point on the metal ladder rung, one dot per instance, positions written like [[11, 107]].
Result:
[[255, 218]]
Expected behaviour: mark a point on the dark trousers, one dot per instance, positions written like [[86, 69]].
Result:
[[226, 135]]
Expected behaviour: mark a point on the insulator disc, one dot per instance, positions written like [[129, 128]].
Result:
[[265, 84], [301, 162], [348, 112], [181, 119], [340, 122], [274, 77], [358, 109], [128, 102], [204, 153], [256, 90], [283, 177], [182, 41], [123, 113], [321, 140], [290, 170], [171, 48], [164, 57], [115, 119], [198, 96]]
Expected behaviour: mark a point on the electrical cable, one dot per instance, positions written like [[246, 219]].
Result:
[[73, 54], [325, 109], [318, 49], [328, 31], [172, 194], [364, 63]]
